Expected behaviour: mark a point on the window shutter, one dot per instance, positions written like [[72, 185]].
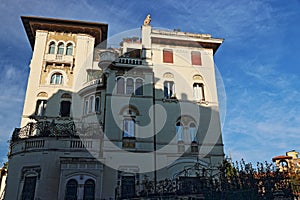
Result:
[[167, 56], [196, 58]]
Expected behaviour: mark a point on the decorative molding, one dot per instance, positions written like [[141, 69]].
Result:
[[198, 77], [33, 170], [168, 75]]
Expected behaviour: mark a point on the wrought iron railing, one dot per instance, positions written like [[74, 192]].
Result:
[[232, 182], [52, 128], [131, 61]]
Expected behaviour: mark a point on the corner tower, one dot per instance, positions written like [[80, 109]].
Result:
[[60, 49]]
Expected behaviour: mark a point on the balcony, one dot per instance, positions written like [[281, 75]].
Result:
[[63, 128], [129, 142], [130, 61], [106, 58], [59, 58], [97, 82]]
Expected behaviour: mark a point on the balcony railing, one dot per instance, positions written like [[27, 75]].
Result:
[[130, 61], [59, 58], [55, 129], [98, 82]]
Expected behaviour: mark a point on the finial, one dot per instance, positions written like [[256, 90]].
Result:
[[147, 20]]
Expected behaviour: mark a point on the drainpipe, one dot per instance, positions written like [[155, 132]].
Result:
[[154, 131]]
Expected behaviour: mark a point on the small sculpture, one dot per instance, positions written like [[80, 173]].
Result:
[[147, 20]]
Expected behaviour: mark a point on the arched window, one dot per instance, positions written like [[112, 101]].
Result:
[[29, 188], [71, 190], [61, 48], [91, 104], [69, 49], [198, 90], [120, 85], [179, 131], [169, 89], [57, 79], [192, 130], [89, 190], [129, 86], [51, 48], [97, 104], [139, 87], [86, 107]]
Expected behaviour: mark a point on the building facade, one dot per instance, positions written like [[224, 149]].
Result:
[[288, 163], [3, 175], [96, 121]]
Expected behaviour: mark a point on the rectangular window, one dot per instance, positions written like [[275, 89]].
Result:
[[139, 87], [129, 86], [86, 107], [65, 108], [40, 108], [198, 89], [168, 56], [128, 187], [128, 131], [29, 188], [168, 89], [97, 104], [196, 58], [120, 85]]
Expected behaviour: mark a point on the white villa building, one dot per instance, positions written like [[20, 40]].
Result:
[[98, 120]]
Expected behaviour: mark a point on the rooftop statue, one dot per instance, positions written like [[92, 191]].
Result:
[[147, 20]]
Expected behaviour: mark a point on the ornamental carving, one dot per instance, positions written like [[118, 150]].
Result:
[[197, 77], [42, 94], [168, 75], [147, 20]]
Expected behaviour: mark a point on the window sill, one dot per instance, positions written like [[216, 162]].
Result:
[[202, 102], [128, 142], [170, 100], [91, 114], [130, 95]]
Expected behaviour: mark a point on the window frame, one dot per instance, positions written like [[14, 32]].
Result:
[[52, 47], [131, 128], [26, 185], [196, 58], [75, 195], [61, 112], [98, 104], [193, 132], [89, 196], [69, 49], [179, 131], [122, 85], [168, 56], [129, 88], [57, 78], [169, 89], [139, 87], [198, 91], [91, 104], [60, 48], [43, 103]]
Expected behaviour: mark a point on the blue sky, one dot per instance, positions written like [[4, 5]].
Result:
[[258, 61]]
